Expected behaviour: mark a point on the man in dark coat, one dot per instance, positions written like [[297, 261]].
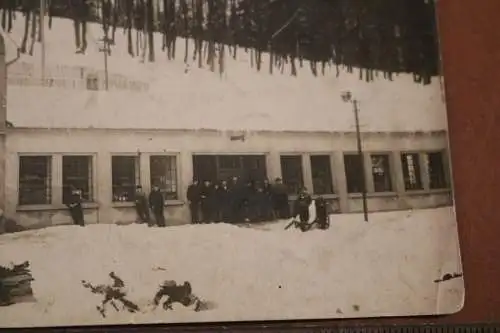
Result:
[[224, 199], [157, 204], [267, 204], [193, 197], [236, 199], [141, 205], [215, 203], [280, 200], [206, 195], [75, 207]]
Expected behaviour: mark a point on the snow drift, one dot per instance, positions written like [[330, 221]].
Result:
[[352, 269]]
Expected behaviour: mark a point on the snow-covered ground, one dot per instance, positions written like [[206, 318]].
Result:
[[354, 269], [185, 97]]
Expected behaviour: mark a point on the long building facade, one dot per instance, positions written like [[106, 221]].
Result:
[[402, 170]]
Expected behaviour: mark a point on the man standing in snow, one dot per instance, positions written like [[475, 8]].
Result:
[[156, 202], [141, 205], [236, 199], [206, 196], [280, 200], [193, 197], [75, 207]]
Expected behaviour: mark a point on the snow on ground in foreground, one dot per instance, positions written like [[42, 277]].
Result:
[[384, 267], [242, 99]]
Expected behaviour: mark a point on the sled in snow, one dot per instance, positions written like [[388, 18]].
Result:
[[318, 216]]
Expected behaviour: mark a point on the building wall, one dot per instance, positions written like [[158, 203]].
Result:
[[102, 144]]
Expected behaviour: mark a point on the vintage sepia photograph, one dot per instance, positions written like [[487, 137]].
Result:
[[186, 161]]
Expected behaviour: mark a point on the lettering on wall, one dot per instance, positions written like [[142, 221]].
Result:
[[69, 77]]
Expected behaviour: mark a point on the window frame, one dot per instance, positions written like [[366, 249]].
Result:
[[50, 180], [446, 174], [391, 166], [137, 171], [93, 174], [331, 176], [302, 171], [421, 170], [363, 168], [178, 179]]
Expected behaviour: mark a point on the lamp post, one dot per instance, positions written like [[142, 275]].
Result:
[[348, 98]]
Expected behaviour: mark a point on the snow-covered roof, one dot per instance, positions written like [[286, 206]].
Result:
[[183, 96]]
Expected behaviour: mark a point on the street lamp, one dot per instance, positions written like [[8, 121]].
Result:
[[348, 98]]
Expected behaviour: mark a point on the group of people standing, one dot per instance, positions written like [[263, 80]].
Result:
[[154, 203], [236, 201], [233, 201]]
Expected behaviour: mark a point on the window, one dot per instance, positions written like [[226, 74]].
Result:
[[77, 173], [321, 174], [291, 171], [35, 180], [125, 177], [354, 172], [435, 167], [411, 171], [381, 171], [92, 82], [164, 174]]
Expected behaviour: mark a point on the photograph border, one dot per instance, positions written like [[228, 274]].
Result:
[[466, 28]]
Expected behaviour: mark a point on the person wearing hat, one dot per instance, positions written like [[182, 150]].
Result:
[[75, 207], [157, 202], [280, 200], [193, 197], [141, 205]]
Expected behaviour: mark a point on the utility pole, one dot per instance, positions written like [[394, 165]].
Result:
[[43, 9], [361, 158], [347, 97], [105, 50]]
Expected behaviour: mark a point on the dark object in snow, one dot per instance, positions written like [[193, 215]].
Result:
[[112, 293], [182, 294], [322, 220], [15, 284], [449, 276], [8, 225]]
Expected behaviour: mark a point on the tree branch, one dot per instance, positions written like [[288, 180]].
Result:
[[287, 23]]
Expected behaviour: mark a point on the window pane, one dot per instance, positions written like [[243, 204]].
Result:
[[163, 171], [354, 173], [321, 174], [35, 178], [381, 172], [291, 170], [435, 167], [411, 171], [77, 173], [125, 177]]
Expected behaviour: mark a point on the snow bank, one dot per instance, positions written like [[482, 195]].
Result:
[[386, 266], [185, 97]]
